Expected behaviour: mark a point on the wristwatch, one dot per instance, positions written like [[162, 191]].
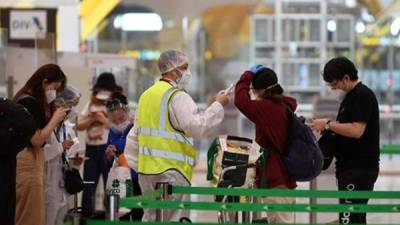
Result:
[[327, 125]]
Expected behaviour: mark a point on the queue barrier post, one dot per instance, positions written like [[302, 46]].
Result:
[[166, 190]]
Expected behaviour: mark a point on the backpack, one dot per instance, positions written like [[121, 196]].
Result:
[[327, 144], [303, 158], [17, 126]]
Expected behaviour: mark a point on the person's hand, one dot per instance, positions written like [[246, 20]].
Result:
[[60, 114], [100, 116], [222, 97], [67, 144], [255, 68], [91, 117], [77, 161], [318, 125], [110, 152]]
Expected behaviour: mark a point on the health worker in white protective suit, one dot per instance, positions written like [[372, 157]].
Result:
[[62, 141], [160, 146]]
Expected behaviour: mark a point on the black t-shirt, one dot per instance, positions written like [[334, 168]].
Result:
[[359, 105], [33, 106]]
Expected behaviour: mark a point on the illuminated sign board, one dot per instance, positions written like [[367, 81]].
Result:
[[28, 24], [25, 26]]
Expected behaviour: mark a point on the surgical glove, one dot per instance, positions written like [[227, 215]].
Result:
[[255, 68]]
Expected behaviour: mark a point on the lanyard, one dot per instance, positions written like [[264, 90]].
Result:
[[57, 133]]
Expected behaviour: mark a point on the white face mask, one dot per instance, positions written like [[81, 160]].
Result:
[[120, 128], [184, 80], [339, 94], [73, 114], [51, 95]]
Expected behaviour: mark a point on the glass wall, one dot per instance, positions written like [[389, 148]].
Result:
[[296, 38]]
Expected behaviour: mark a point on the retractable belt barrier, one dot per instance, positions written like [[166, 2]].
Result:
[[390, 149], [136, 202], [259, 207], [285, 193], [151, 200], [93, 222]]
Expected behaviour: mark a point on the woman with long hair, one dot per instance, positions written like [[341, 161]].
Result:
[[267, 109], [36, 95]]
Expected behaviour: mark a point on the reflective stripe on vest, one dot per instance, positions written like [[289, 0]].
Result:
[[164, 108], [165, 134], [167, 155]]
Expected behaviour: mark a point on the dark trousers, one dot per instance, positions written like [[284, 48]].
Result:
[[94, 167], [8, 167], [355, 180]]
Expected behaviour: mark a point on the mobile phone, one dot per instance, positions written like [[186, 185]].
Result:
[[68, 110], [230, 88], [308, 121]]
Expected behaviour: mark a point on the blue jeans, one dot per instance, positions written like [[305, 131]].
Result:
[[94, 167]]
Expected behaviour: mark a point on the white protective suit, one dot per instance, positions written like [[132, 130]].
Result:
[[184, 115], [56, 196]]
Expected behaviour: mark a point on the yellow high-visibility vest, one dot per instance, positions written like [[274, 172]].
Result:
[[161, 147]]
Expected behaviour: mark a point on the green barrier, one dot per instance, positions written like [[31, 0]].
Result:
[[287, 193], [390, 149], [141, 202], [97, 222], [259, 207], [148, 201], [148, 196]]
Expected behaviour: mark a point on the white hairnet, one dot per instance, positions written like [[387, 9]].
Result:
[[170, 60], [69, 94]]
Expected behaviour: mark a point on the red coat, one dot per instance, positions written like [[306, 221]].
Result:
[[271, 122]]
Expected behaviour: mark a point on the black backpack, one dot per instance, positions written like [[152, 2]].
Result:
[[17, 126], [303, 158]]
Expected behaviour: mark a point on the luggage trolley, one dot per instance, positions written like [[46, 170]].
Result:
[[231, 164]]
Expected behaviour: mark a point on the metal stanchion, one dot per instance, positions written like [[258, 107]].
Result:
[[166, 190], [247, 216], [313, 187], [75, 214], [112, 206], [10, 87]]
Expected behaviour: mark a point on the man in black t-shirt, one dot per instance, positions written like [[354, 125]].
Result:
[[357, 134]]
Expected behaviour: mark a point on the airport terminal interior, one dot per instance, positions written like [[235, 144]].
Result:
[[221, 40]]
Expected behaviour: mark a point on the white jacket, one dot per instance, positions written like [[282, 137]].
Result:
[[185, 116], [56, 197]]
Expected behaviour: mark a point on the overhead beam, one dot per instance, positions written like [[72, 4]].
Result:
[[373, 6], [383, 21], [93, 12]]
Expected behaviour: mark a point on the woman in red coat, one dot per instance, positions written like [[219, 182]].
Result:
[[267, 109]]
